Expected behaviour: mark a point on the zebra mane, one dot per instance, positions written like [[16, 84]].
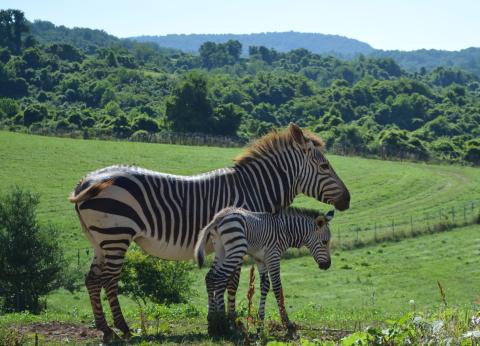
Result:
[[313, 213], [273, 141]]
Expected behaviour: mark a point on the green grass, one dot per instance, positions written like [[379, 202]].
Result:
[[381, 282], [366, 285], [381, 190]]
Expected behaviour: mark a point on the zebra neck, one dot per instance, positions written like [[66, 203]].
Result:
[[294, 231], [268, 184]]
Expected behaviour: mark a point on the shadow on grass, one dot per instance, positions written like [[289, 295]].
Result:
[[186, 338]]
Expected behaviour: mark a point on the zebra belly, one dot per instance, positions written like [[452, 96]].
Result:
[[161, 249], [167, 251]]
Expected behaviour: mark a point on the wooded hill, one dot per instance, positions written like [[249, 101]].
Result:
[[338, 46], [86, 80]]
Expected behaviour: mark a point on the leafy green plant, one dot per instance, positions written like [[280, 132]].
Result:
[[148, 278], [32, 263]]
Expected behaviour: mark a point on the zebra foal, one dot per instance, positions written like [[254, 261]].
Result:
[[236, 232]]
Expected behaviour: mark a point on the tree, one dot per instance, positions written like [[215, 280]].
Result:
[[31, 258], [217, 55], [472, 151], [394, 142], [9, 107], [227, 119], [234, 49], [189, 109], [65, 52], [34, 113], [143, 122], [12, 25]]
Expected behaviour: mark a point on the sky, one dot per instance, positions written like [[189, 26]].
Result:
[[384, 24]]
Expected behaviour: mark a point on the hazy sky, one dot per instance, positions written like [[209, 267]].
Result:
[[384, 24]]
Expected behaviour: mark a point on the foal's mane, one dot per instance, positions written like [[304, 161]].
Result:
[[313, 213], [273, 141]]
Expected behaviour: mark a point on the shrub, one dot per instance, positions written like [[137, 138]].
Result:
[[143, 122], [9, 107], [148, 278], [31, 259], [34, 113], [472, 151]]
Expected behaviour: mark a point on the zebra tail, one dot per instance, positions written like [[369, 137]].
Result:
[[201, 242], [89, 192]]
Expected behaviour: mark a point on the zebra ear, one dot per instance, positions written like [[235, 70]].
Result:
[[297, 133], [329, 216], [320, 221]]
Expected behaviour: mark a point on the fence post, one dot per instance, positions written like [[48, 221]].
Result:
[[78, 257]]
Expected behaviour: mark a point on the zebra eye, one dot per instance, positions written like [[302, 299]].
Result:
[[324, 242], [324, 166]]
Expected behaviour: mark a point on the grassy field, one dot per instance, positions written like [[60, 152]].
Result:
[[363, 286], [381, 191]]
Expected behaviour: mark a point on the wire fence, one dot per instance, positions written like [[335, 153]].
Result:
[[433, 220], [377, 231], [164, 137]]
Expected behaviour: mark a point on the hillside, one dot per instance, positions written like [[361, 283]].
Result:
[[363, 287], [280, 41], [342, 47], [366, 106], [466, 59], [381, 190], [82, 38]]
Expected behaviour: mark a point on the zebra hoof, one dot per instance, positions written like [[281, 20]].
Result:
[[109, 336], [291, 330], [218, 325]]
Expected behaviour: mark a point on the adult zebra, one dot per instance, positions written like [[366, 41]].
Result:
[[164, 213]]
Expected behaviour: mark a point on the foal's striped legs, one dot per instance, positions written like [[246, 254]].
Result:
[[232, 286]]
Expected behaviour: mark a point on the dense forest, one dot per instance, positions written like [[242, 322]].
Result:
[[428, 59], [86, 80], [341, 47]]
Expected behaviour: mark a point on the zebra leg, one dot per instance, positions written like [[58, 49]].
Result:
[[93, 282], [210, 284], [232, 286], [224, 272], [274, 271], [213, 318], [111, 274], [264, 288], [229, 265], [221, 279]]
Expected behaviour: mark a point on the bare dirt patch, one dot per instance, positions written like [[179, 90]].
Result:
[[60, 332]]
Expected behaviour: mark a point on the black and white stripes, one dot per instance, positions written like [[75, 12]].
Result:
[[265, 237], [164, 213]]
